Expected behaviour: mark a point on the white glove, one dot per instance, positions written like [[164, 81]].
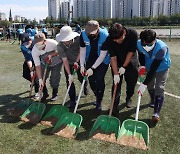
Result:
[[121, 71], [70, 79], [82, 70], [141, 89], [76, 66], [41, 84], [116, 79], [89, 72]]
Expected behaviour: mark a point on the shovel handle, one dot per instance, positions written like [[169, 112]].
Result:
[[113, 99], [44, 78], [31, 88], [82, 86], [137, 108], [73, 73]]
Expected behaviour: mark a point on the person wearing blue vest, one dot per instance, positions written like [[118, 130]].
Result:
[[121, 44], [44, 31], [93, 59], [19, 33], [28, 66], [154, 56]]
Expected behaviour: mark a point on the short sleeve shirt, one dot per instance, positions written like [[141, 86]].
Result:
[[51, 46], [121, 50], [93, 55], [70, 52]]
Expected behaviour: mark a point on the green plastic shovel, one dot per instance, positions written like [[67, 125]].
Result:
[[107, 124], [35, 111], [72, 120], [58, 110], [19, 109], [134, 128]]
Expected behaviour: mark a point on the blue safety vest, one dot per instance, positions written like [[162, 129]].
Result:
[[103, 35], [166, 62]]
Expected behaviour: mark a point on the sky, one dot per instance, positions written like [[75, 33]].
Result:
[[29, 9]]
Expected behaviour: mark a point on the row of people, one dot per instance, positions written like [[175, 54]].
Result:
[[93, 51]]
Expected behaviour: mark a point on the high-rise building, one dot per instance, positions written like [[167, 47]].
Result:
[[136, 8], [54, 9], [17, 18], [2, 16], [111, 8]]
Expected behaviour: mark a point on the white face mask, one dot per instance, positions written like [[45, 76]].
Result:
[[40, 45], [28, 45], [149, 48]]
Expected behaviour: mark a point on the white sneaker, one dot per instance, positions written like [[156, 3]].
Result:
[[54, 98], [36, 96]]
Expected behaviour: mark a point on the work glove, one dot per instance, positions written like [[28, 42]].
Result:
[[48, 59], [142, 70], [41, 84], [121, 71], [32, 74], [82, 70], [141, 89], [76, 66], [89, 72], [70, 78], [116, 79]]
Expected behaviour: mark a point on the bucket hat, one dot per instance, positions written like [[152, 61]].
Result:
[[66, 34]]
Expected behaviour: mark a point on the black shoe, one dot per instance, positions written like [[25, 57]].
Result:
[[98, 107], [72, 105], [129, 103], [86, 91], [44, 97], [54, 98], [115, 112], [94, 103], [151, 105]]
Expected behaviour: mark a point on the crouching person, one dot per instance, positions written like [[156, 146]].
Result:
[[45, 51], [69, 51], [154, 56]]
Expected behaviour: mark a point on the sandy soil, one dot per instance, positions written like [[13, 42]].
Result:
[[67, 132], [50, 121]]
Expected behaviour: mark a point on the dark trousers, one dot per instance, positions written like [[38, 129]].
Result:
[[72, 91], [27, 76], [97, 82], [130, 77]]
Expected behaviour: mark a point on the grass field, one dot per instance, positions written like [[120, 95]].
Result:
[[17, 137]]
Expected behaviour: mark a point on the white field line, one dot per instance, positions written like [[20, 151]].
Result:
[[166, 93]]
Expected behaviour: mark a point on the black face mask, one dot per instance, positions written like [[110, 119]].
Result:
[[92, 37]]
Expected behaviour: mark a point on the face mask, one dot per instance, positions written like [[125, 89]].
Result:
[[149, 48], [92, 37], [28, 45], [40, 46]]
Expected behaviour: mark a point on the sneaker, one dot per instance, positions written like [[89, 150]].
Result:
[[151, 105], [155, 118], [36, 96], [44, 97], [86, 91], [98, 107], [72, 105], [54, 98], [129, 103], [94, 103]]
